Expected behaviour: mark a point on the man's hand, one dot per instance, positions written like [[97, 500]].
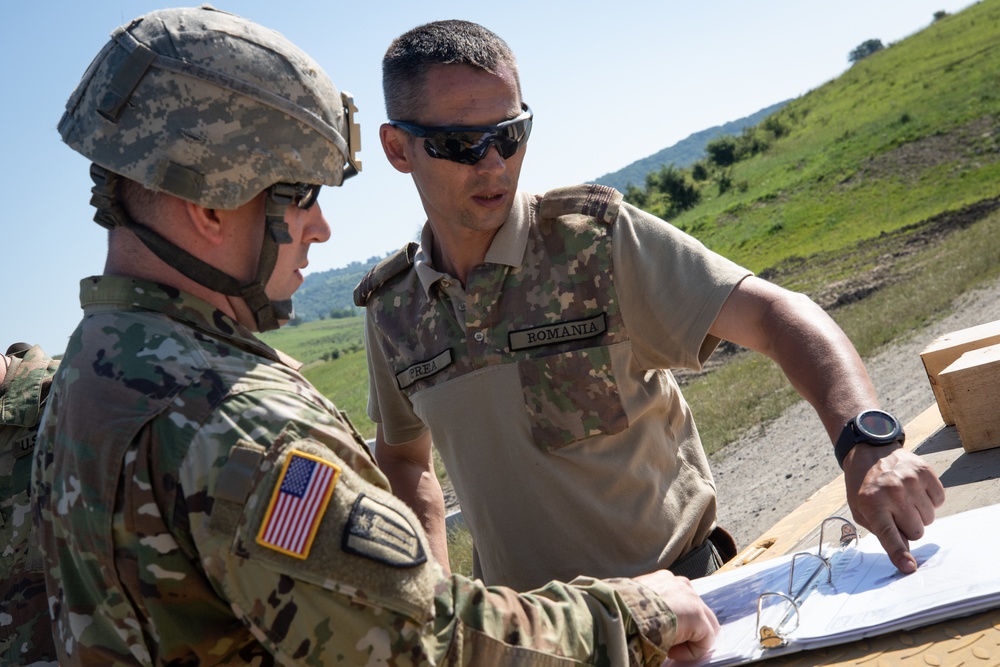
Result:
[[697, 626], [892, 493]]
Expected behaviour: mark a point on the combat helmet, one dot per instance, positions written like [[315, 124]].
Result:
[[212, 108]]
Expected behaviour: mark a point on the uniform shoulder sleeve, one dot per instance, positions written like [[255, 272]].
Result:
[[400, 261], [597, 201]]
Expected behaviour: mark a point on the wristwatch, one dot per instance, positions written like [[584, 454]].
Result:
[[872, 427]]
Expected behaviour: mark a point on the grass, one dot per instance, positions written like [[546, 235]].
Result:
[[319, 340], [902, 135], [333, 355]]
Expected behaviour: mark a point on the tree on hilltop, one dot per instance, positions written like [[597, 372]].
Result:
[[865, 49]]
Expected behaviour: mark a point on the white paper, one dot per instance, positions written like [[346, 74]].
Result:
[[957, 575]]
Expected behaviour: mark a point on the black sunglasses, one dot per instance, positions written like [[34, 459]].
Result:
[[301, 195], [469, 145]]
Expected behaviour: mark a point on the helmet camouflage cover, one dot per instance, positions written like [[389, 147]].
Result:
[[212, 108]]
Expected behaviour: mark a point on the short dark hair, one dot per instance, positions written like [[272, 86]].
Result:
[[453, 42], [140, 202]]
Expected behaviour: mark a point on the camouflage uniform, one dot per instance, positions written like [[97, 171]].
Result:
[[176, 443], [543, 384], [25, 628]]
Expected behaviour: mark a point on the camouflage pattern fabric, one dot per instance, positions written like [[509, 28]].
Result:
[[555, 335], [210, 107], [173, 448], [25, 628]]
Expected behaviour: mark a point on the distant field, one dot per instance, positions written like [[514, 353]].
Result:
[[342, 376]]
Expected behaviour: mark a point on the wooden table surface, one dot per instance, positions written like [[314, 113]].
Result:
[[971, 480]]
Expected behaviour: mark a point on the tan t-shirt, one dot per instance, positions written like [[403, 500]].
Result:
[[544, 384]]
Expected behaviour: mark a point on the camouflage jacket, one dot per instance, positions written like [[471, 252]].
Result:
[[200, 502], [25, 628]]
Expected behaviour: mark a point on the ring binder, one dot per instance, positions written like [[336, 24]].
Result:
[[848, 589], [776, 636]]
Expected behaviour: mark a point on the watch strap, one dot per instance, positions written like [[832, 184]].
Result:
[[845, 443], [850, 436]]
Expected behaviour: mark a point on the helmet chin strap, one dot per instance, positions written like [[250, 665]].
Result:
[[267, 314]]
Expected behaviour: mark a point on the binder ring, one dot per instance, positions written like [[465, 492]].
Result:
[[774, 637], [791, 571], [848, 531]]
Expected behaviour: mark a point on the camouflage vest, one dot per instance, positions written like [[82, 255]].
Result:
[[560, 300]]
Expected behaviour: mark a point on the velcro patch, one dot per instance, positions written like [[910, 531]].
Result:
[[560, 332], [382, 534], [298, 504], [25, 445], [424, 369]]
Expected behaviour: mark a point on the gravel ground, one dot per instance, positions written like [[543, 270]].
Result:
[[778, 465]]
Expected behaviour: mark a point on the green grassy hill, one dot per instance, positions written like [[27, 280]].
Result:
[[877, 194], [331, 290], [905, 134]]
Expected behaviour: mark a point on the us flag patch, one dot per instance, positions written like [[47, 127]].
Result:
[[298, 504]]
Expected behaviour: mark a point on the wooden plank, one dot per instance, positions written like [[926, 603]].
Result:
[[971, 386], [946, 349]]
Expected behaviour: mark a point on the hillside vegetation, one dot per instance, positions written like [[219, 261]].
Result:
[[876, 193], [905, 134], [682, 154], [331, 293]]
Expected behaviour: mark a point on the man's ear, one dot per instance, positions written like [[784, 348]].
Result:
[[397, 145], [206, 222]]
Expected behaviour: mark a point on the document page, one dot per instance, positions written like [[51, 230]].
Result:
[[860, 593]]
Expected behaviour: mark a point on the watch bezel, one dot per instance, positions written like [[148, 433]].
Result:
[[862, 433], [854, 432]]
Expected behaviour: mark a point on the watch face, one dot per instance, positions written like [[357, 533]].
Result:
[[877, 424]]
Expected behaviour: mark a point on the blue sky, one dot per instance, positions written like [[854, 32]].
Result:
[[609, 82]]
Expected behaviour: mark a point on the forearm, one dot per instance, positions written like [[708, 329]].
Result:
[[620, 619], [422, 492], [409, 468], [820, 362]]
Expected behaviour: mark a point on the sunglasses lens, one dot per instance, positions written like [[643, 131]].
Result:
[[306, 195], [471, 147], [301, 195]]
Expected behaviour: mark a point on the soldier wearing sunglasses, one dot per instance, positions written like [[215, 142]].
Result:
[[529, 338], [198, 501]]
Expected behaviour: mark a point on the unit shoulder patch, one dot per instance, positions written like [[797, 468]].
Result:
[[400, 261], [378, 532], [597, 201]]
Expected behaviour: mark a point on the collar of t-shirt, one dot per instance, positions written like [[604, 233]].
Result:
[[508, 245]]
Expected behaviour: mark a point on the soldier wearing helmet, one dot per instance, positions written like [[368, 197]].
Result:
[[198, 501], [25, 629]]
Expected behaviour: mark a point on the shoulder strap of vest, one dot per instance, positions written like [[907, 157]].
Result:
[[400, 261], [597, 201]]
